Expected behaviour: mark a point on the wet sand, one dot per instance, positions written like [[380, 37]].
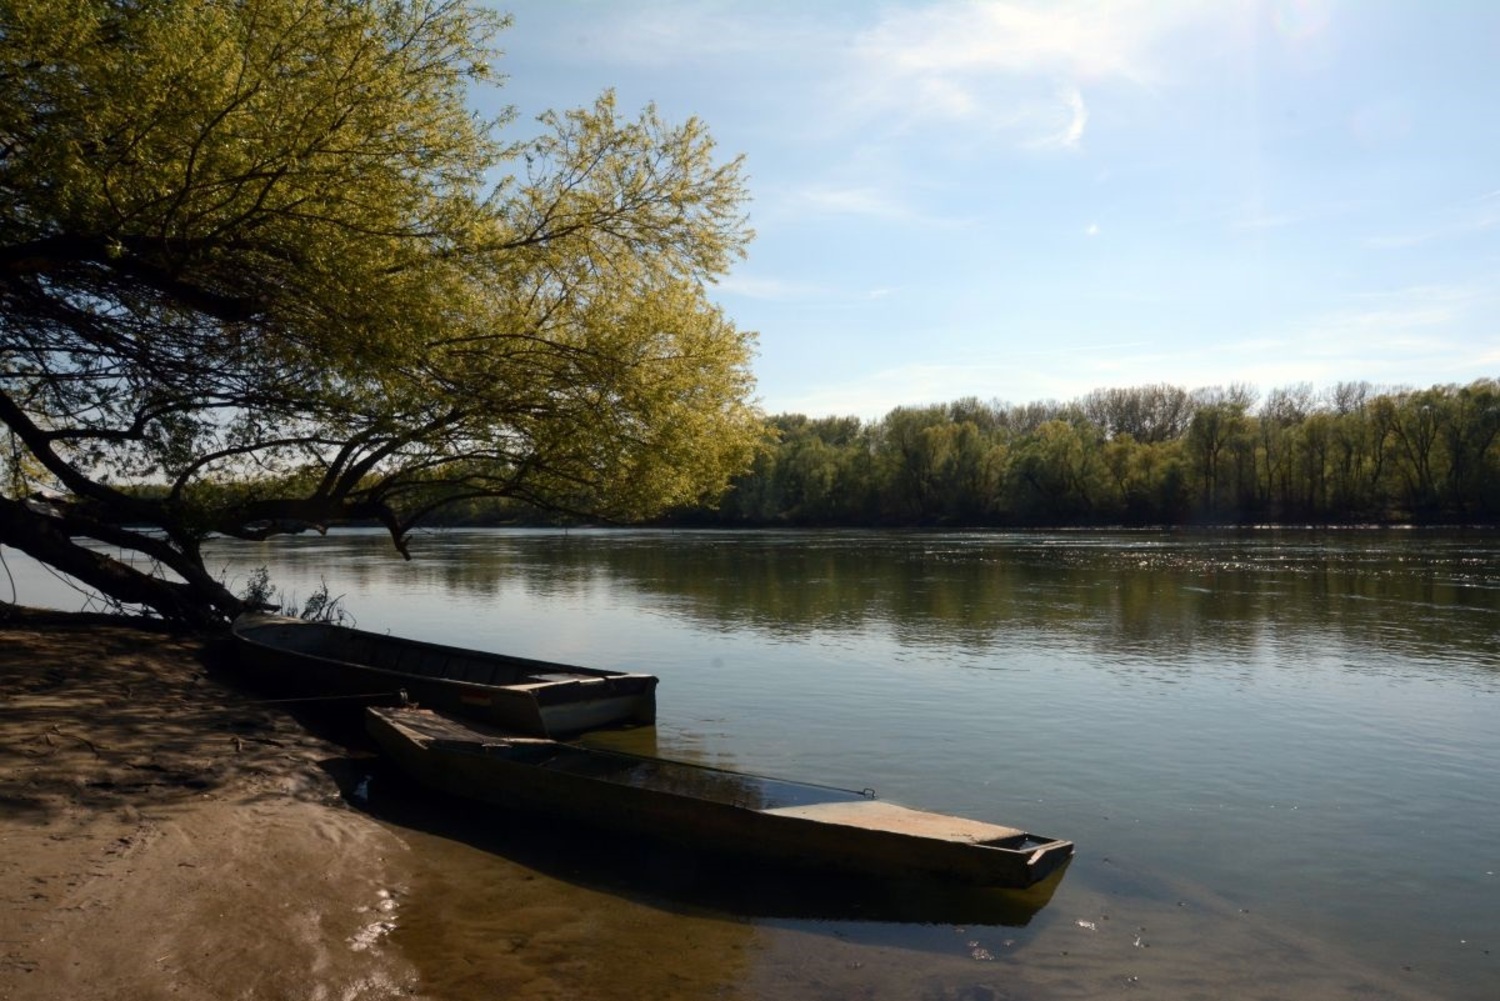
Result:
[[163, 835]]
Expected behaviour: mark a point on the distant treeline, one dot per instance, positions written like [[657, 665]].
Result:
[[1151, 455], [1148, 455]]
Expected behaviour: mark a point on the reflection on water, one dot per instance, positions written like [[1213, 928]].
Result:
[[1274, 749], [668, 877], [1127, 595]]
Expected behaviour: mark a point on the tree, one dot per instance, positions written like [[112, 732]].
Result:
[[257, 276], [1147, 414], [1282, 418], [911, 460], [1215, 435], [1470, 435], [1354, 450], [1054, 471], [1413, 422]]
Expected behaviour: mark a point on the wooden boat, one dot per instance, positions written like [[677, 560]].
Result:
[[528, 697], [796, 823]]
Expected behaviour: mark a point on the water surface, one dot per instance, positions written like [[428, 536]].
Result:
[[1276, 750]]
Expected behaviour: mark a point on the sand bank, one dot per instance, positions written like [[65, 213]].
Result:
[[164, 836]]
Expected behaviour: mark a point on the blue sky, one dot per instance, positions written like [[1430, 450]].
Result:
[[1023, 201]]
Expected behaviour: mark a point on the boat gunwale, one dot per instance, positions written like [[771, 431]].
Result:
[[1034, 846], [244, 627]]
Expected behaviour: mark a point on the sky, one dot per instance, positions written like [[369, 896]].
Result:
[[1023, 201]]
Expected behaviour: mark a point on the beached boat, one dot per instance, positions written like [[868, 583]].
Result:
[[523, 696], [773, 820]]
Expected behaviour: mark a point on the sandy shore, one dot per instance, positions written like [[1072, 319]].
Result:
[[164, 836]]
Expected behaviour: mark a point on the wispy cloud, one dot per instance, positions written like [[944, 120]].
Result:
[[1070, 135], [869, 201], [887, 201], [872, 395], [1420, 305], [1025, 376], [956, 39], [769, 288], [1262, 221], [673, 34], [1385, 336], [1477, 215], [1013, 66]]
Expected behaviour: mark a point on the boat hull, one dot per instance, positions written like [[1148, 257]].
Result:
[[522, 696], [791, 823]]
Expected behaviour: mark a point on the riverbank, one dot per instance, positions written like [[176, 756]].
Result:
[[163, 835]]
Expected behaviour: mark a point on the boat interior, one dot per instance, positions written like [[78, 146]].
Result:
[[404, 656]]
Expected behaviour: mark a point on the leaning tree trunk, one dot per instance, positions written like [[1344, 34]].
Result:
[[198, 600]]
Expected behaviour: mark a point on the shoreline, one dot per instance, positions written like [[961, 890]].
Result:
[[163, 834]]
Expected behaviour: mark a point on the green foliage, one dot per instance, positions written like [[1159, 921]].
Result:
[[258, 591], [250, 254], [321, 606], [1348, 455]]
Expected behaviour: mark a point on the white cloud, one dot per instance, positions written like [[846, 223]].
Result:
[[1012, 66], [959, 38], [867, 201], [1403, 308], [1024, 377], [1478, 215], [1071, 116], [1265, 221], [1080, 118], [872, 395], [874, 201], [770, 289], [1418, 335], [678, 33]]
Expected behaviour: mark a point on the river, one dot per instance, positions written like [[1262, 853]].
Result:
[[1276, 751]]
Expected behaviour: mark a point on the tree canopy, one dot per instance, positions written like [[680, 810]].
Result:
[[263, 269], [1149, 455]]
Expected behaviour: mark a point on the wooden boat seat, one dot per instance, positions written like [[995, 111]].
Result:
[[876, 815]]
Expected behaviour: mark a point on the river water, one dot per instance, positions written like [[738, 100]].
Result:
[[1276, 751]]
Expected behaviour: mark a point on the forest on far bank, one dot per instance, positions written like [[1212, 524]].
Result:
[[1141, 456], [1151, 455]]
